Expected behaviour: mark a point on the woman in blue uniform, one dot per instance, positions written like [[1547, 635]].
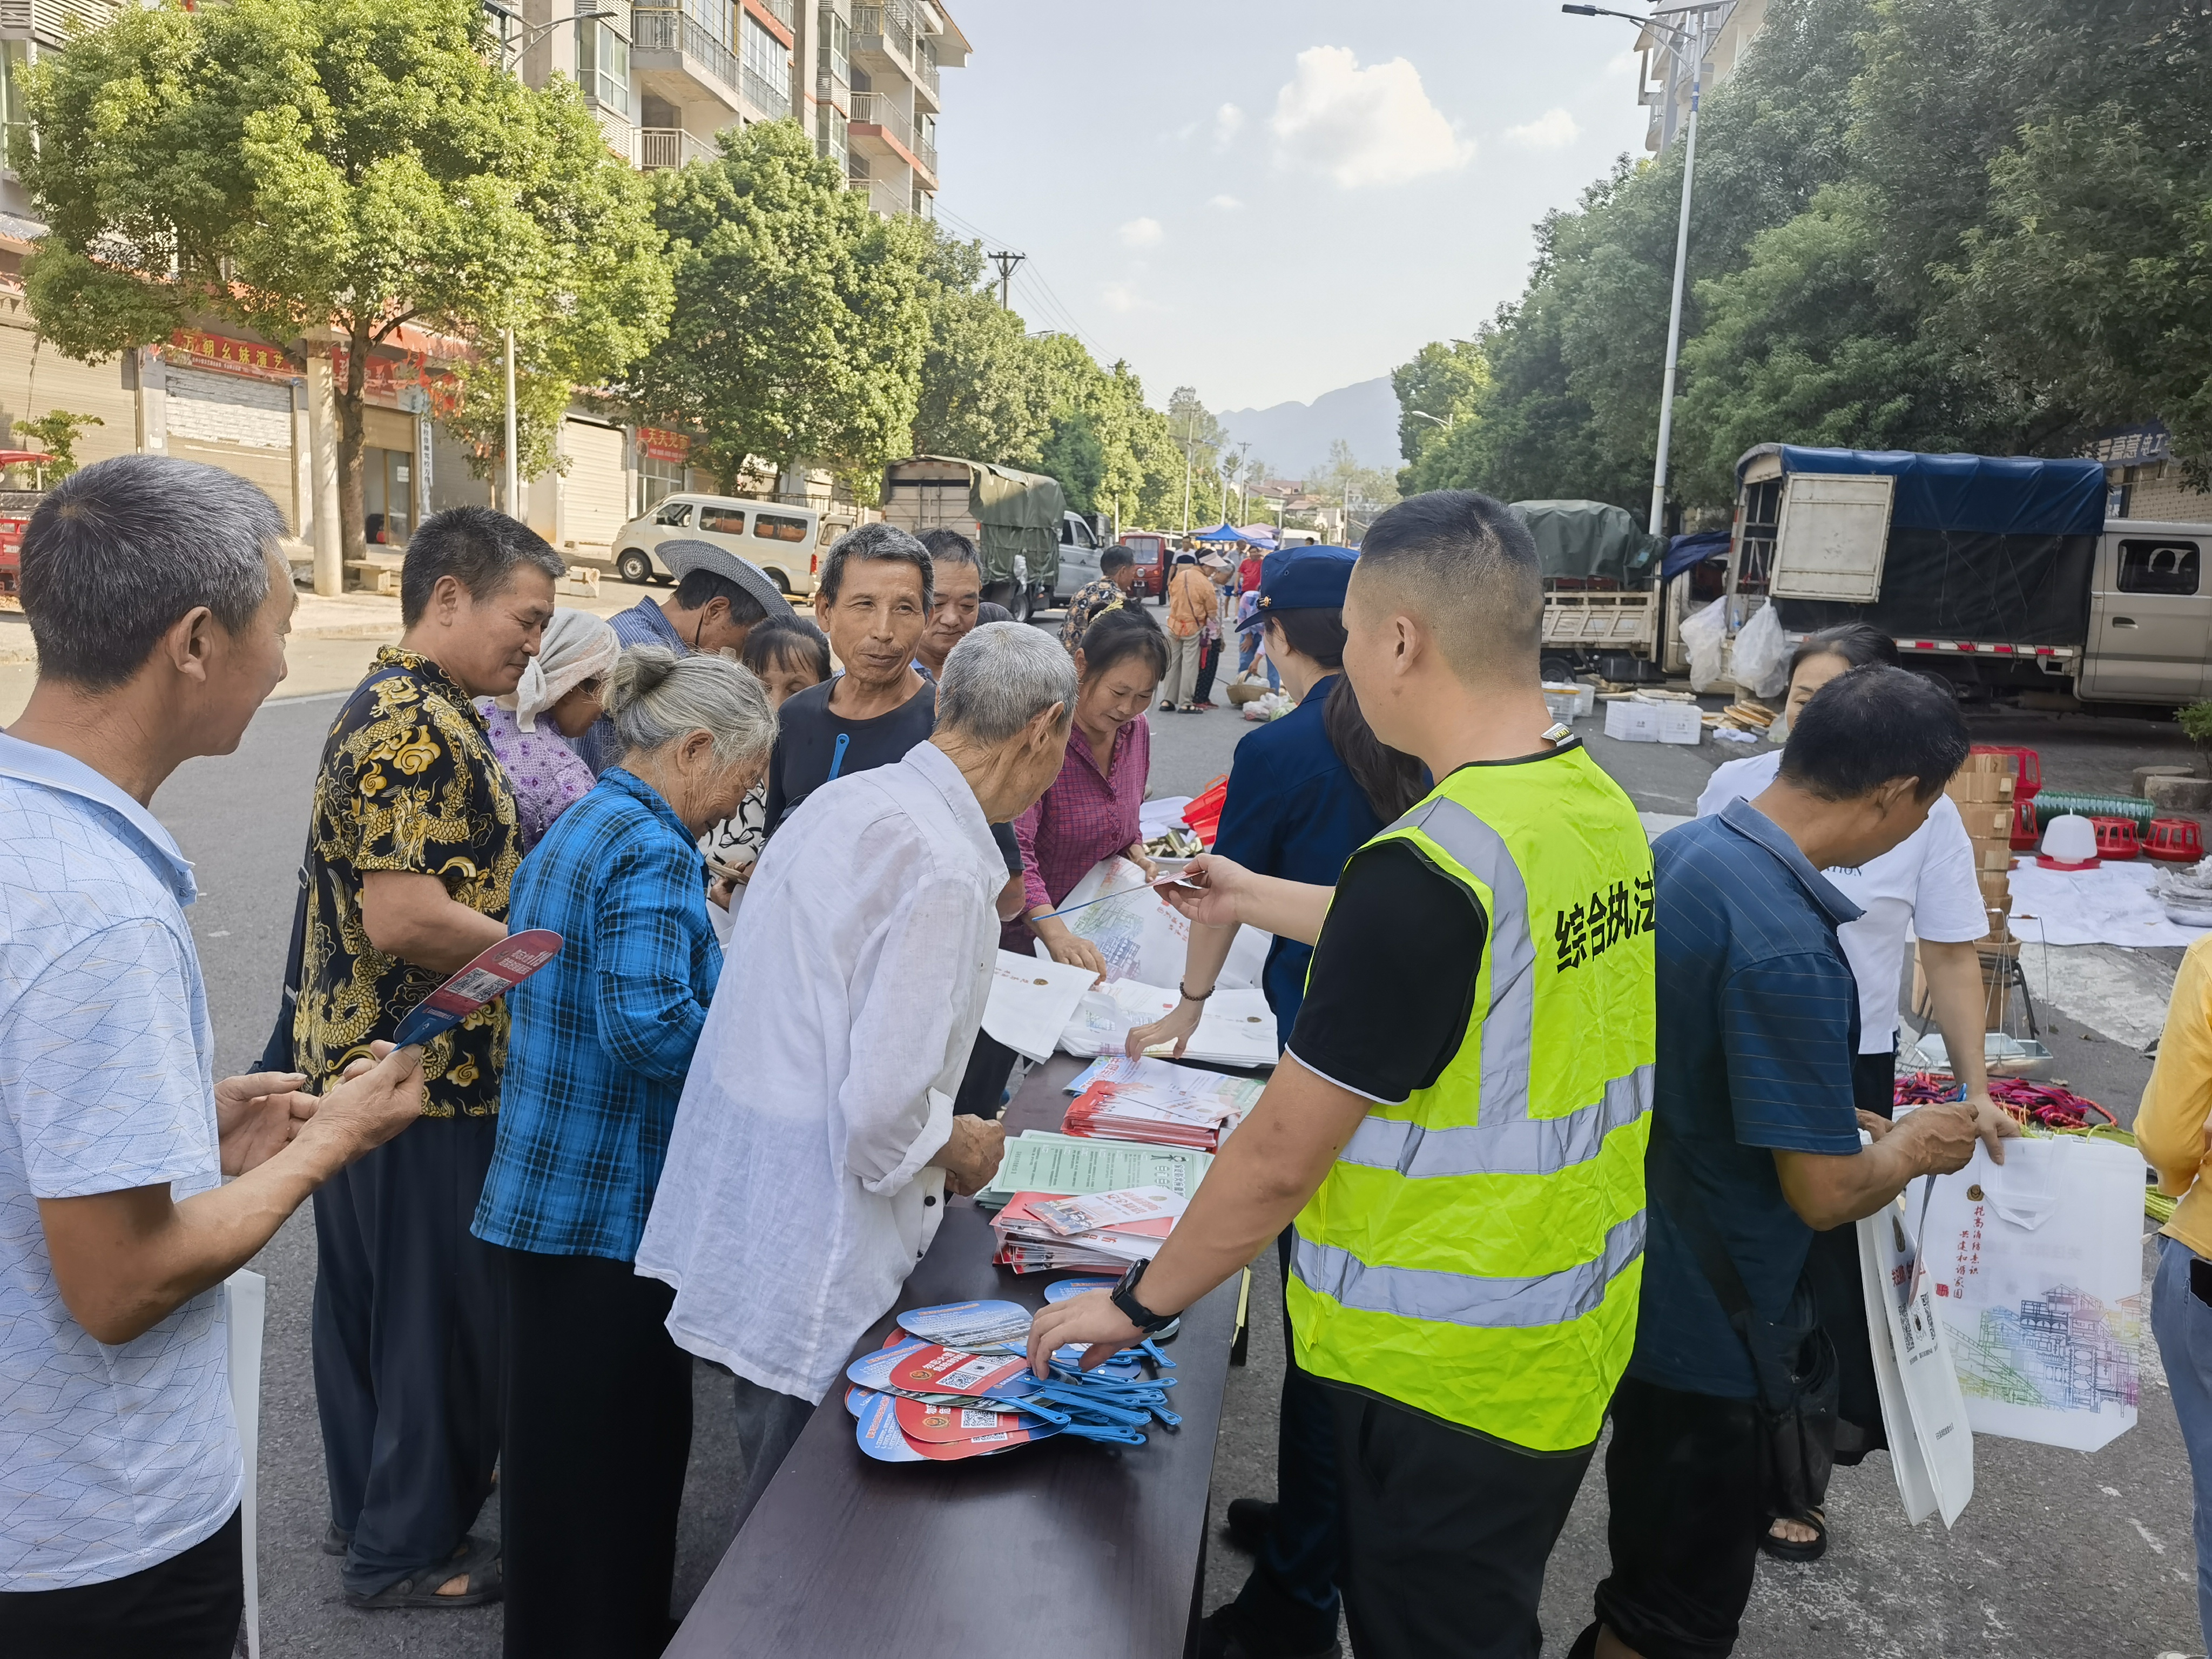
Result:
[[1304, 792]]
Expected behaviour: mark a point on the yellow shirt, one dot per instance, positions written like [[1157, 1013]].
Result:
[[2170, 1129]]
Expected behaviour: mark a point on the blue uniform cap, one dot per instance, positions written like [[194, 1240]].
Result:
[[1303, 579]]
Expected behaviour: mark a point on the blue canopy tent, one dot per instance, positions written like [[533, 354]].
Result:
[[1224, 532]]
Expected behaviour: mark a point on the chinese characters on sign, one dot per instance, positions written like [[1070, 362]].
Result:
[[191, 348], [655, 445], [1590, 930]]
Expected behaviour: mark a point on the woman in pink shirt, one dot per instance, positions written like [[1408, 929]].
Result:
[[1090, 811]]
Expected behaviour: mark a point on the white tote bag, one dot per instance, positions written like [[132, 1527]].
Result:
[[2037, 1267], [246, 1295], [1931, 1447]]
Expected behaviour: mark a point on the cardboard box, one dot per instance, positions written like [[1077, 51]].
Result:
[[1997, 959], [1979, 787], [1986, 820], [1681, 722]]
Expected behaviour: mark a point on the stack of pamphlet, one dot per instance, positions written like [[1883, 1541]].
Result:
[[1099, 1232], [1043, 1161], [1237, 1029], [1157, 1101]]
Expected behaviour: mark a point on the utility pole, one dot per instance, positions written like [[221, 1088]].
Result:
[[1243, 493], [1006, 263], [1190, 438]]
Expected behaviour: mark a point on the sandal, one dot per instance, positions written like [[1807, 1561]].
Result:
[[1789, 1549], [475, 1559]]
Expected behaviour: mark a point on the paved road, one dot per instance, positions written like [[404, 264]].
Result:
[[2060, 1554]]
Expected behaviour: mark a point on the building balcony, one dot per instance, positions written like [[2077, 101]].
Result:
[[882, 130], [662, 150], [884, 37], [769, 101], [673, 55], [783, 11]]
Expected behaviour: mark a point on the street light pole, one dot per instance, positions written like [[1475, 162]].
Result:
[[1694, 54], [513, 489], [1658, 526], [1190, 438]]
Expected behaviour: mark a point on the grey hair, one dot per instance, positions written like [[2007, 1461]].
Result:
[[478, 547], [997, 680], [119, 552], [656, 698], [873, 541]]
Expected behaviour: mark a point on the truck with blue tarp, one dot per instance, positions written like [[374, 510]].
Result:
[[2000, 573]]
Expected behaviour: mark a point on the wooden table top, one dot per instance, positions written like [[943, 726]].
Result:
[[1067, 1547]]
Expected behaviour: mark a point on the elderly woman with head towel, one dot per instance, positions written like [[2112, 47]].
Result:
[[558, 698]]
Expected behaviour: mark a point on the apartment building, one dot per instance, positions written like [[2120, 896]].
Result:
[[662, 81], [873, 97], [1724, 27]]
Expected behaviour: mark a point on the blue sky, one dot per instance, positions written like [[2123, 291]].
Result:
[[1267, 201]]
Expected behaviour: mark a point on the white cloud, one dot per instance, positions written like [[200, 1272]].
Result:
[[1553, 130], [1141, 232], [1226, 203], [1120, 297], [1228, 122], [1362, 126]]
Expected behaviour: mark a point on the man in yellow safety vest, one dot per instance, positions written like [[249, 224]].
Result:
[[1459, 1121]]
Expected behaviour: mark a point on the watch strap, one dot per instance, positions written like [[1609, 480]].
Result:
[[1125, 1298]]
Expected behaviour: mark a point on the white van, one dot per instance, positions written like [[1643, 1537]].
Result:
[[779, 539]]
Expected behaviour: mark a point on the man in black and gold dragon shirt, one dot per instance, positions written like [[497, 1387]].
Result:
[[412, 843]]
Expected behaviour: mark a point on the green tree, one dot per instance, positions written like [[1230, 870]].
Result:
[[333, 169], [981, 397], [801, 319], [56, 432], [1436, 391], [1803, 345]]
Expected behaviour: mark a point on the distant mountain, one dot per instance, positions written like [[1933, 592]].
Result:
[[1293, 438]]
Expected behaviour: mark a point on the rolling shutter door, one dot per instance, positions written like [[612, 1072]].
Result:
[[595, 492], [36, 379], [243, 425]]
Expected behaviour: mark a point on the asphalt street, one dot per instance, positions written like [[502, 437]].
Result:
[[2059, 1554]]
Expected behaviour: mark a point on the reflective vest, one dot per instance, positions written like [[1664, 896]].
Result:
[[1476, 1252]]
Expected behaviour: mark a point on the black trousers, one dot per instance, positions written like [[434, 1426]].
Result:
[[187, 1607], [598, 1434], [1209, 660], [1289, 1602], [1685, 1482], [407, 1348], [1445, 1534]]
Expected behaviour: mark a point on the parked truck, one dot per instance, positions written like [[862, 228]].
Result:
[[2001, 574], [22, 482], [1015, 518], [1601, 609]]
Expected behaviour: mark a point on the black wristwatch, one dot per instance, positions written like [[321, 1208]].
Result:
[[1134, 1311]]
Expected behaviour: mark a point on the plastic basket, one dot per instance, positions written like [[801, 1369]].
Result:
[[2025, 830], [2174, 840], [1203, 815], [2031, 767], [2116, 838]]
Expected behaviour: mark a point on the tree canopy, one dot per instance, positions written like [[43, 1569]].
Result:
[[1973, 224], [332, 169], [800, 318]]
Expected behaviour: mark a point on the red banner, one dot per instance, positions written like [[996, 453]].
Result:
[[655, 445], [196, 348]]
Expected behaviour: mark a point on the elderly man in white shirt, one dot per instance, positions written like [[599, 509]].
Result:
[[816, 1138]]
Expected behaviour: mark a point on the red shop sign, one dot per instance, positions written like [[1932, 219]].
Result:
[[191, 348], [655, 445]]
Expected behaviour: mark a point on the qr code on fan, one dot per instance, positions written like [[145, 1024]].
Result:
[[476, 985]]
